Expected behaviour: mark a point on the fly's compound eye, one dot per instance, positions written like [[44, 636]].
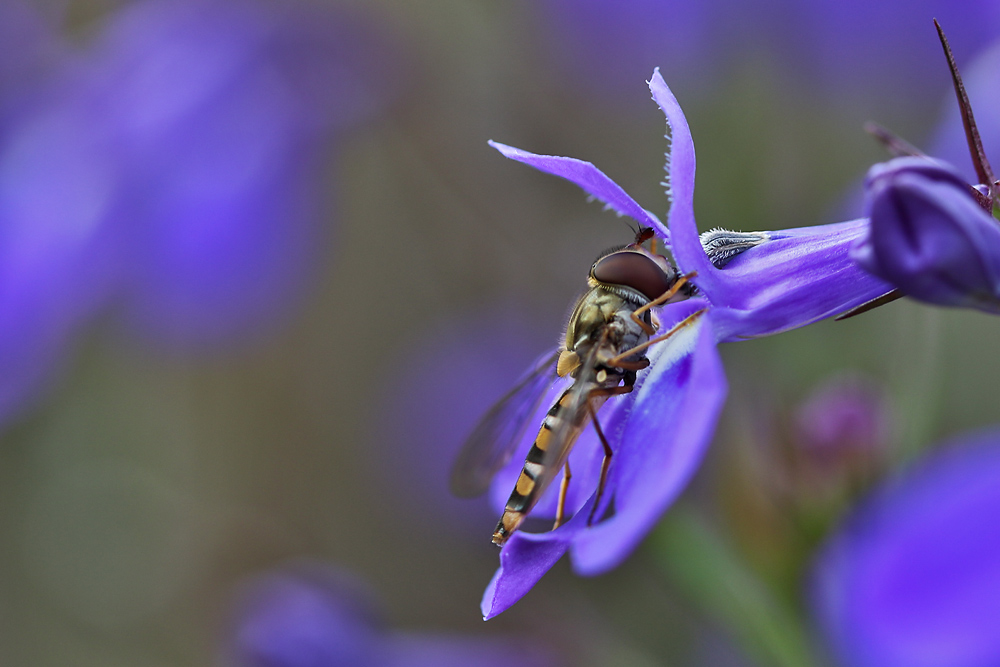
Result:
[[633, 270]]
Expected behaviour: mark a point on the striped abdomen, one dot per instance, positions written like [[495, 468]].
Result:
[[535, 475]]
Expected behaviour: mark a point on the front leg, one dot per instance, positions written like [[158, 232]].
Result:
[[686, 322], [660, 300]]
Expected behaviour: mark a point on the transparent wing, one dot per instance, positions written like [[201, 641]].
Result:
[[496, 436]]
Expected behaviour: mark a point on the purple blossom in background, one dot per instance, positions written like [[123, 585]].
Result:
[[879, 47], [844, 416], [933, 234], [659, 432], [839, 47], [223, 106], [60, 175], [912, 578], [28, 44], [929, 236], [841, 440], [172, 168], [605, 45], [314, 615]]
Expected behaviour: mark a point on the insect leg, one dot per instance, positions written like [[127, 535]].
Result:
[[631, 365], [606, 463], [561, 505], [660, 300], [686, 322]]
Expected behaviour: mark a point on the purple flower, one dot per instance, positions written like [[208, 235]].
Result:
[[313, 615], [930, 236], [28, 43], [171, 168], [912, 577], [774, 282], [60, 184], [845, 416], [617, 42], [858, 46], [224, 157], [933, 234], [838, 48]]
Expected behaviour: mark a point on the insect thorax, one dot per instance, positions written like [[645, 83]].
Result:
[[602, 314]]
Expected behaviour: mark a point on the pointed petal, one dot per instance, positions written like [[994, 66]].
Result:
[[685, 243], [593, 181], [663, 440], [796, 277], [523, 561]]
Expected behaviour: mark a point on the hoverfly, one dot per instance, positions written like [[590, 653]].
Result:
[[610, 328]]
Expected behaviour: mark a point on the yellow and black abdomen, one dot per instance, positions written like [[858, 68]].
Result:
[[535, 475]]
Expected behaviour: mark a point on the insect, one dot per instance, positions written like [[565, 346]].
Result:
[[604, 348]]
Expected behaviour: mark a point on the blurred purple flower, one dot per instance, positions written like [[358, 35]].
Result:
[[844, 416], [932, 233], [61, 178], [929, 236], [835, 47], [223, 106], [659, 432], [912, 577], [313, 615], [879, 47], [606, 45], [28, 44], [175, 166]]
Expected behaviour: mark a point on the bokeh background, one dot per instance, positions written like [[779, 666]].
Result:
[[260, 273]]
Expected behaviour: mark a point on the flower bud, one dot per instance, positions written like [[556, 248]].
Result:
[[929, 236]]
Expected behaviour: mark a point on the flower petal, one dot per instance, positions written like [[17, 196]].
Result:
[[524, 560], [685, 242], [593, 181], [222, 161], [796, 277], [663, 439]]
